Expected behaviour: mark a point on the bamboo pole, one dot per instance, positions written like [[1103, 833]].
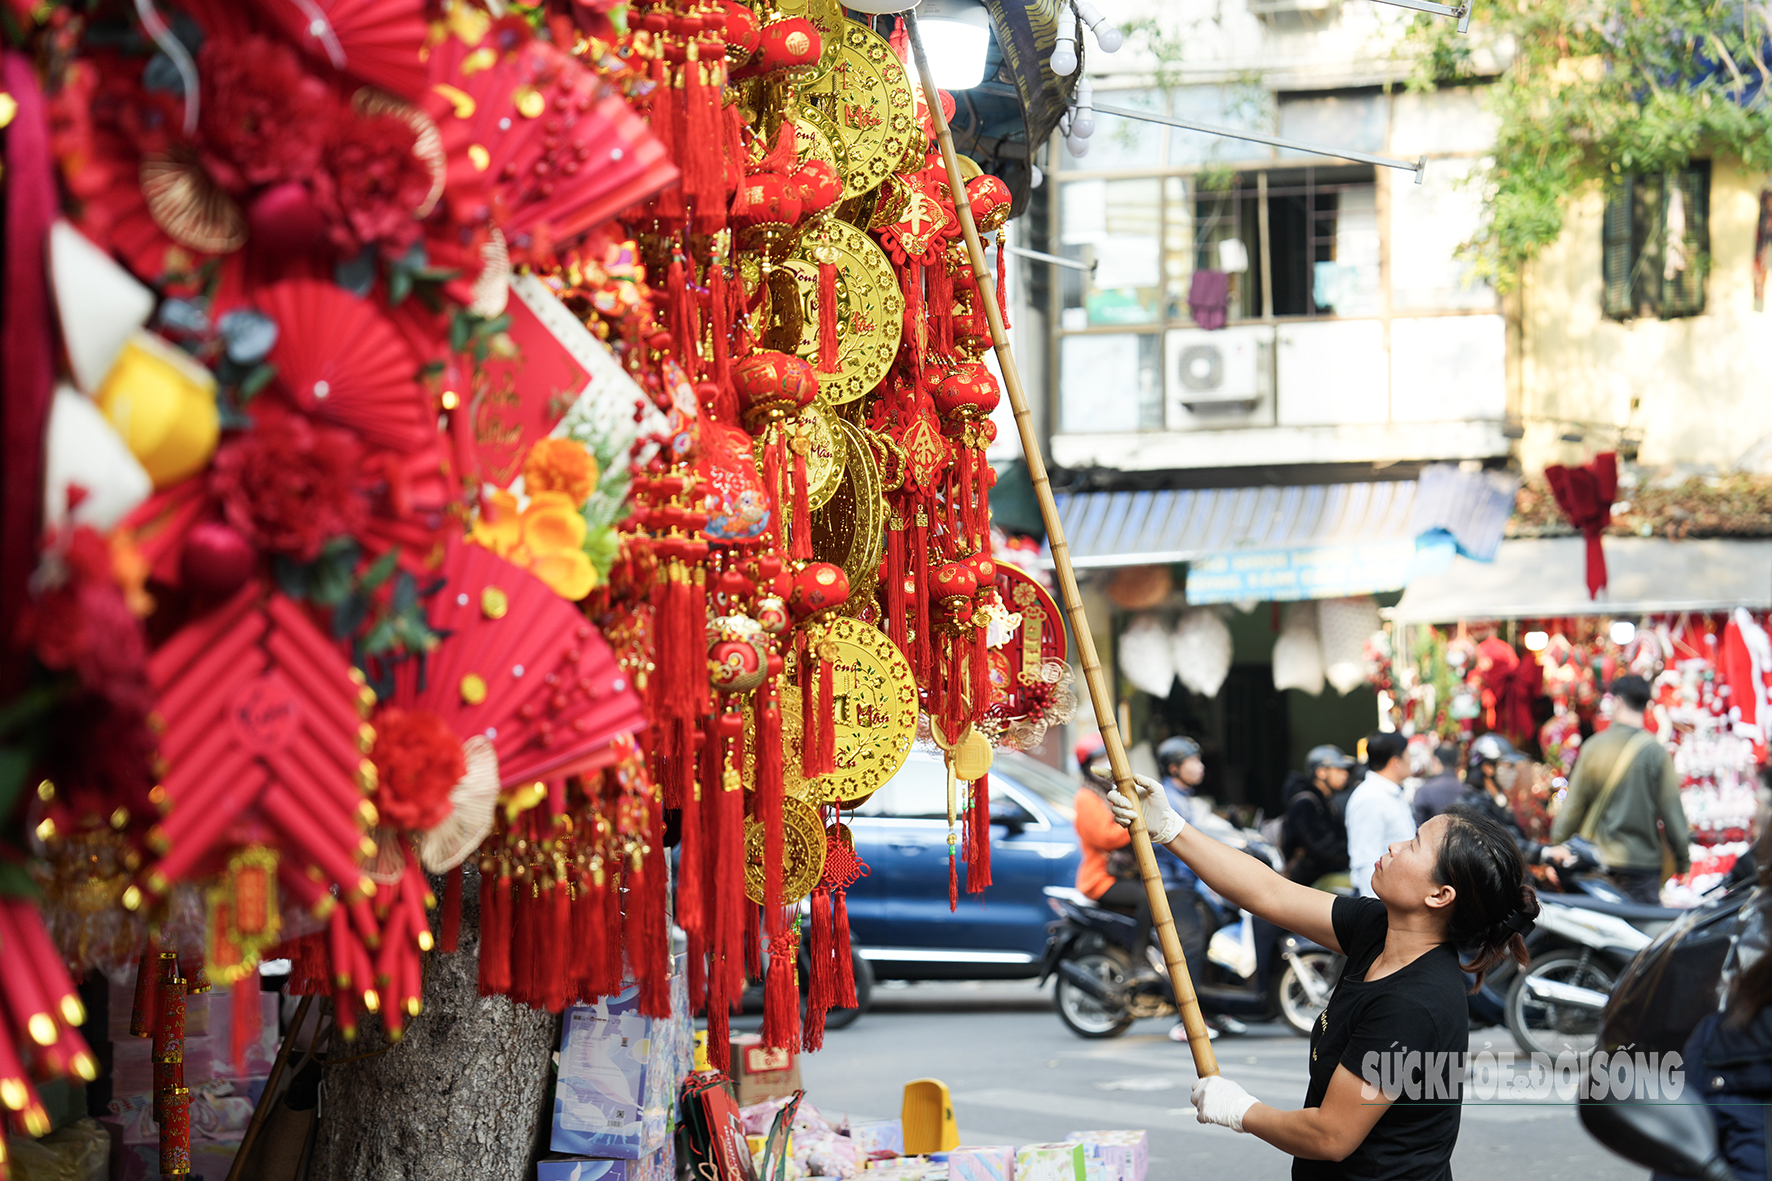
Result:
[[1205, 1061]]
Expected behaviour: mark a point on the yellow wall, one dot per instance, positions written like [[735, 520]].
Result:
[[1703, 381]]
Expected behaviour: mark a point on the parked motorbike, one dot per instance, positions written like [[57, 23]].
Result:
[[1254, 970], [1582, 941]]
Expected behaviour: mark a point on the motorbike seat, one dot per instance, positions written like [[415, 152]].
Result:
[[1628, 911], [1116, 908]]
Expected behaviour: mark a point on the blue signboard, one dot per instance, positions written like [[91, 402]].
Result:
[[1314, 572]]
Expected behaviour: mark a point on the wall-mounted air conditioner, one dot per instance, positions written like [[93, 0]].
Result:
[[1219, 379]]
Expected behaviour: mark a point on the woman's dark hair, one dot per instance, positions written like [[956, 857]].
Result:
[[1752, 990], [1495, 902]]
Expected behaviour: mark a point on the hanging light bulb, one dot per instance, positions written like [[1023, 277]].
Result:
[[957, 38], [1623, 631], [1107, 36], [1064, 51], [1083, 118], [1537, 641]]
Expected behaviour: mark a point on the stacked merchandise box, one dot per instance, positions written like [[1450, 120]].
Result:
[[981, 1163], [616, 1097], [1123, 1155], [1050, 1162]]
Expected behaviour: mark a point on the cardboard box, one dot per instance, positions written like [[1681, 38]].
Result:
[[760, 1073], [878, 1136], [659, 1166], [981, 1163], [1125, 1155], [1050, 1162]]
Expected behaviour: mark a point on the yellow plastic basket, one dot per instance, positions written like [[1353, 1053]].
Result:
[[928, 1118]]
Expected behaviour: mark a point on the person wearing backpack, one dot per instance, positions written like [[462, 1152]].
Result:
[[1313, 839], [1624, 798]]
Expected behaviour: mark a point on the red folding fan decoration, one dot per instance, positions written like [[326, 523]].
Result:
[[560, 149], [339, 359], [521, 667], [264, 740], [378, 41]]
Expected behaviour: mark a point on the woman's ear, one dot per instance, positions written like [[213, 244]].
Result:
[[1442, 898]]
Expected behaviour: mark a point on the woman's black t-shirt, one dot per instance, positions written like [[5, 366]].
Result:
[[1408, 1032]]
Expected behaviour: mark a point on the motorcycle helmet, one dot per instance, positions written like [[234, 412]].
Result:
[[1178, 749], [1326, 755], [1489, 748], [1090, 749]]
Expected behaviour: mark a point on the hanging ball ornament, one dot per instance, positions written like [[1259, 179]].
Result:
[[772, 615], [738, 656], [818, 588], [772, 386], [990, 201], [216, 559]]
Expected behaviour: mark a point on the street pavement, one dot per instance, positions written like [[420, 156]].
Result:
[[1018, 1076]]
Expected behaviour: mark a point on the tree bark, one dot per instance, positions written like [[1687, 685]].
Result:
[[463, 1096]]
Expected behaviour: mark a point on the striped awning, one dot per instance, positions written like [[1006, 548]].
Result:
[[1358, 538]]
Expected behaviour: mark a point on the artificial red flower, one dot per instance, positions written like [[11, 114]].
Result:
[[372, 183], [264, 119], [80, 622], [290, 484], [418, 762]]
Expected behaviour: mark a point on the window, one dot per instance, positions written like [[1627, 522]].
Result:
[[918, 792], [1656, 244]]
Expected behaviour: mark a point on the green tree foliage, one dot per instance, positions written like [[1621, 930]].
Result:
[[1599, 89]]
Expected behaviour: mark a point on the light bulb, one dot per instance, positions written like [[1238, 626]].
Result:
[[1077, 146], [1107, 36], [1623, 631], [1537, 641], [1064, 51], [1083, 117], [1036, 178]]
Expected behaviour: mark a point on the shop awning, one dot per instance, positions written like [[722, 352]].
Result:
[[1546, 577], [1301, 541]]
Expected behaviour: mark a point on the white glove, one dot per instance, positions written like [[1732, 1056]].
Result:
[[1220, 1101], [1163, 821]]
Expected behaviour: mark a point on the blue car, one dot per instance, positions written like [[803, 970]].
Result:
[[898, 914]]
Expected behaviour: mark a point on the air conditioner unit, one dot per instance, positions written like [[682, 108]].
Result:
[[1218, 377], [1281, 7]]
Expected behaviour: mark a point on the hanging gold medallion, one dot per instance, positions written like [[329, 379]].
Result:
[[876, 717], [870, 308], [827, 452], [816, 138], [869, 96], [802, 857], [851, 529]]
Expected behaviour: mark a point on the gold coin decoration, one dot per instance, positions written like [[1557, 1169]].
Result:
[[816, 138], [802, 854], [869, 97], [827, 452], [870, 308], [850, 530], [876, 716]]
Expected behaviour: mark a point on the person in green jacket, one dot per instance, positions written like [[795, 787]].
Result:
[[1625, 797]]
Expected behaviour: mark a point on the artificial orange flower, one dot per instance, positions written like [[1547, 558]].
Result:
[[567, 573], [500, 526], [552, 524], [561, 465]]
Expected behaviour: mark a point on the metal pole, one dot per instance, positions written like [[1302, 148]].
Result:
[[1205, 1062], [1461, 11], [1273, 141], [1054, 259]]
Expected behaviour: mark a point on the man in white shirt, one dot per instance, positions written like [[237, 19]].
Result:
[[1377, 812]]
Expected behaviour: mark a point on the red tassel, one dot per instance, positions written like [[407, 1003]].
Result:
[[450, 935], [978, 867], [915, 314], [769, 803], [496, 942], [941, 305], [772, 482], [703, 169], [781, 998], [665, 119], [246, 1020], [719, 1038], [698, 973], [646, 934], [522, 988], [801, 548], [953, 881], [720, 329], [607, 981], [824, 759], [559, 981], [923, 644], [821, 988], [830, 358], [753, 944], [1002, 281], [897, 609], [732, 132], [726, 838], [844, 957]]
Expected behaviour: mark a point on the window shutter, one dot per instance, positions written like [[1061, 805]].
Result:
[[1683, 294], [1618, 247]]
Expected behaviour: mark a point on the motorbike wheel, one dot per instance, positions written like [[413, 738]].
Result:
[[1544, 1027], [1083, 1014], [1292, 999]]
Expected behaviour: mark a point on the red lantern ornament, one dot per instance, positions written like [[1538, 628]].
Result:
[[819, 589], [773, 387], [820, 186], [743, 32], [789, 43], [965, 399], [216, 559]]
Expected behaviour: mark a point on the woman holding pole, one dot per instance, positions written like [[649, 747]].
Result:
[[1380, 1104]]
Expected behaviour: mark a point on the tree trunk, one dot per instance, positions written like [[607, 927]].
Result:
[[463, 1096]]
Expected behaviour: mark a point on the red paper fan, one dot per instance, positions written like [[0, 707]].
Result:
[[521, 667], [339, 359], [561, 151], [378, 41]]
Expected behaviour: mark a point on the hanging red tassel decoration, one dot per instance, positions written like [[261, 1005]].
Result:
[[821, 988], [844, 956], [246, 1020], [830, 358], [753, 943], [720, 330], [1002, 282], [922, 651], [978, 862], [607, 980], [450, 933], [953, 875], [698, 973], [704, 178], [897, 608], [800, 548], [769, 800], [497, 938], [822, 758], [781, 996]]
